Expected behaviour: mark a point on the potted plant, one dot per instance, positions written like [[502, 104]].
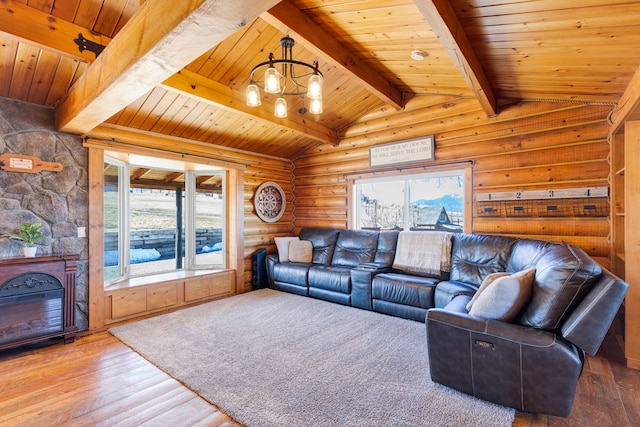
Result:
[[29, 234]]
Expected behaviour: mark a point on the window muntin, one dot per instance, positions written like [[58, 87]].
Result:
[[114, 221]]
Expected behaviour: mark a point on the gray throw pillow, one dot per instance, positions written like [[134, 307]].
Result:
[[504, 297]]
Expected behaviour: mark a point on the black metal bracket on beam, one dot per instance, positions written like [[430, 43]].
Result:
[[84, 44]]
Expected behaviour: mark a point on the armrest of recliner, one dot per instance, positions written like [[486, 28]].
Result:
[[528, 369], [589, 322], [361, 278], [375, 266], [271, 260], [443, 318]]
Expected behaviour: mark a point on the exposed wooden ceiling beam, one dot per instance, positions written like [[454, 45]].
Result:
[[222, 96], [139, 173], [159, 40], [172, 177], [445, 24], [59, 37], [46, 31], [628, 107], [286, 17]]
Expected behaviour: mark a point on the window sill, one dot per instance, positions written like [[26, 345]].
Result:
[[155, 279]]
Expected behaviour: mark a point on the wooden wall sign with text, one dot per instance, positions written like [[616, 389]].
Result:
[[404, 152], [19, 163]]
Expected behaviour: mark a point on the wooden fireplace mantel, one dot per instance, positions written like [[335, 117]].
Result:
[[62, 267]]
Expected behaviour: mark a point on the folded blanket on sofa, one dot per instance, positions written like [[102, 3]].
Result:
[[426, 252]]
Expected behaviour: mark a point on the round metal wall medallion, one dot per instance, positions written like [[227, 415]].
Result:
[[269, 202]]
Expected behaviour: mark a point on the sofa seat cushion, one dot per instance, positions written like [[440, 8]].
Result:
[[458, 304], [415, 291], [447, 290], [295, 273], [330, 278]]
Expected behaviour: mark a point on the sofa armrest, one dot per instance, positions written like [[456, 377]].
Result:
[[271, 260], [589, 322], [361, 278], [375, 266], [490, 327]]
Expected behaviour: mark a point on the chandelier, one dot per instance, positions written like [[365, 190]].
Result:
[[287, 77]]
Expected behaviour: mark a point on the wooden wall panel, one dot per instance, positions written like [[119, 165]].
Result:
[[257, 233], [527, 146]]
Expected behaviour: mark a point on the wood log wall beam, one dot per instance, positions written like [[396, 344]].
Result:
[[286, 17], [629, 105], [157, 42], [215, 93], [445, 24], [108, 136], [26, 23]]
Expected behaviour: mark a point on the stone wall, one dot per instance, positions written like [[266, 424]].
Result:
[[58, 200]]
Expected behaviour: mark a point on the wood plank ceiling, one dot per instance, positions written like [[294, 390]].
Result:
[[179, 69]]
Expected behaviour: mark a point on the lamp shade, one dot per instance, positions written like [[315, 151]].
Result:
[[314, 88], [315, 105], [281, 108], [253, 96], [271, 80]]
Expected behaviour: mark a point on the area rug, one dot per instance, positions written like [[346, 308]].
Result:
[[269, 358]]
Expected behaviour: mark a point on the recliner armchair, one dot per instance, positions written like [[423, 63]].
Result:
[[532, 364]]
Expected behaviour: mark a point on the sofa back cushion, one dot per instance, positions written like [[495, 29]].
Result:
[[386, 251], [564, 275], [324, 243], [475, 256], [355, 247]]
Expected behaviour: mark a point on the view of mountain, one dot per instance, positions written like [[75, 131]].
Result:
[[451, 202]]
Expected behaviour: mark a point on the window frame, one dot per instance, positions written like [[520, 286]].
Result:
[[190, 218], [124, 163], [401, 174]]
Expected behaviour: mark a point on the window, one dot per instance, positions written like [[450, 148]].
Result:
[[161, 216], [419, 201]]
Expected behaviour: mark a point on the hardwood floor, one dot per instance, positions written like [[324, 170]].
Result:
[[608, 392], [95, 381], [98, 381]]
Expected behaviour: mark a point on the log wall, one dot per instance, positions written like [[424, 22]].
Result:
[[527, 146], [257, 233]]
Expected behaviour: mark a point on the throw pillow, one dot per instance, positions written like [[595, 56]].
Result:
[[485, 284], [300, 251], [282, 243], [505, 296]]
